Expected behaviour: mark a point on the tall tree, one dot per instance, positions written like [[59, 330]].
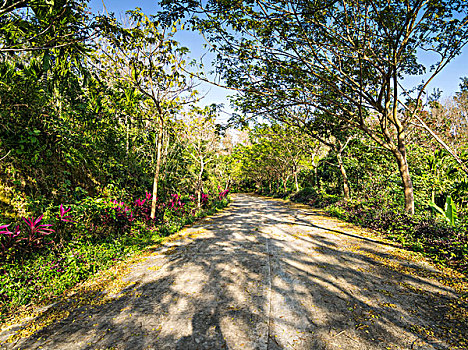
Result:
[[202, 142], [298, 52], [145, 57]]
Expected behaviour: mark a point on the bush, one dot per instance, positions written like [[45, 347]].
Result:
[[443, 243], [305, 195], [83, 239], [311, 196], [435, 238]]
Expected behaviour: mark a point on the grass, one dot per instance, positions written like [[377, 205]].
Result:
[[46, 275]]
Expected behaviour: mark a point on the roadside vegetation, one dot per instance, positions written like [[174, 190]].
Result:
[[101, 152], [285, 167], [106, 146]]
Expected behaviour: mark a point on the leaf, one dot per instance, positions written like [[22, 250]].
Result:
[[46, 62], [438, 209], [450, 211], [29, 222], [38, 220]]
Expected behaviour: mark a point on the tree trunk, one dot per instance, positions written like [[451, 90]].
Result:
[[127, 137], [156, 172], [400, 155], [346, 190], [285, 182], [199, 181], [295, 179], [127, 143], [316, 177]]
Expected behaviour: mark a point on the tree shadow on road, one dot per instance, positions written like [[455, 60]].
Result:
[[260, 278]]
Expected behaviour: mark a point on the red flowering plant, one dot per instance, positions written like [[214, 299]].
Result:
[[179, 207], [63, 221], [28, 240], [204, 199], [8, 239], [99, 217], [175, 206], [36, 233], [223, 194], [62, 217], [118, 216], [142, 209]]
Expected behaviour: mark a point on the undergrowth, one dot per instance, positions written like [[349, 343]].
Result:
[[432, 237], [83, 240]]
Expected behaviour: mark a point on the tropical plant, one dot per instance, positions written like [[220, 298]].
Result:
[[62, 216], [450, 212], [8, 239], [37, 232]]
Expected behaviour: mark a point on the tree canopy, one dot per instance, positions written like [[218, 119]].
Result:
[[348, 55], [106, 147]]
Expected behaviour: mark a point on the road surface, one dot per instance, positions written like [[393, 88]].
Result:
[[265, 275]]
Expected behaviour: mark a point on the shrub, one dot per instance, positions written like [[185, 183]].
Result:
[[223, 194], [117, 216], [306, 195], [311, 196], [98, 232], [443, 243], [204, 200], [176, 205], [142, 210], [9, 240], [33, 236]]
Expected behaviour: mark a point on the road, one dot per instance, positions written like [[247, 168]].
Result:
[[262, 274]]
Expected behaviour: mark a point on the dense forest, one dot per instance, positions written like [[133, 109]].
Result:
[[106, 145]]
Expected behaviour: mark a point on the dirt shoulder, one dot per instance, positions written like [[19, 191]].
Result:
[[260, 275]]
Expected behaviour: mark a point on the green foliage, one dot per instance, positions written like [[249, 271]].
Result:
[[437, 209], [43, 25], [272, 160], [442, 242], [376, 186], [450, 213], [96, 241], [319, 199], [81, 122], [306, 195], [74, 129], [312, 67]]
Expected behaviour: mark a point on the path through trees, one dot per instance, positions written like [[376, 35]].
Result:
[[261, 275]]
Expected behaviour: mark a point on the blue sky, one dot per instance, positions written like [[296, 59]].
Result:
[[448, 81], [193, 41]]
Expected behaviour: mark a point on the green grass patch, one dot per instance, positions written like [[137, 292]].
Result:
[[39, 277]]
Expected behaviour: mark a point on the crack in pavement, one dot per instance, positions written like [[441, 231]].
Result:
[[269, 293]]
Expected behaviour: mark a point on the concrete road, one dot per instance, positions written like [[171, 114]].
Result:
[[261, 275]]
